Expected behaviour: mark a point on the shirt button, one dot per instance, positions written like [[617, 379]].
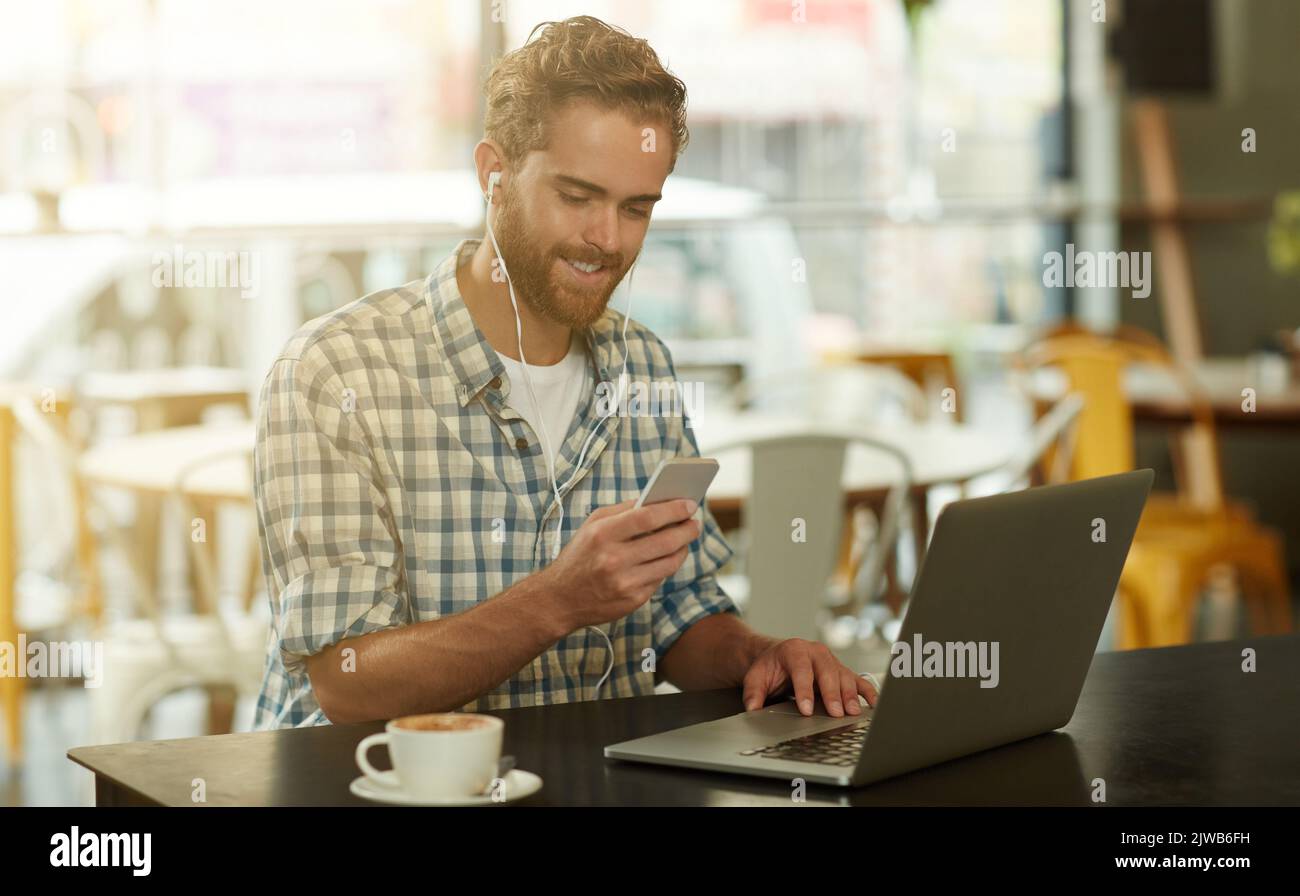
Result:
[[496, 382], [521, 444]]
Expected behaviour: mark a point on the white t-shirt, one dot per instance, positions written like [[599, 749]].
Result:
[[559, 388]]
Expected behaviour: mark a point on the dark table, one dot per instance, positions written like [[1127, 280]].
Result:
[[1169, 726]]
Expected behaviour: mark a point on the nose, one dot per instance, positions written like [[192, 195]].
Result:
[[602, 229]]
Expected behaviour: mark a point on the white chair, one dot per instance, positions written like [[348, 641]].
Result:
[[1051, 440], [845, 395], [792, 521]]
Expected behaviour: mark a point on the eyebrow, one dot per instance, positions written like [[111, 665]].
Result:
[[601, 191]]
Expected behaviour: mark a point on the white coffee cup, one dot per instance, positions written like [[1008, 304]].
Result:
[[437, 755]]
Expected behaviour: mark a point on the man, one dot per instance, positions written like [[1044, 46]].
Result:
[[403, 480]]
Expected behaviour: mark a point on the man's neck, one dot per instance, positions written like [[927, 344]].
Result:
[[488, 301]]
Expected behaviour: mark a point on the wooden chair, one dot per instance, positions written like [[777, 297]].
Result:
[[931, 371], [150, 655], [1182, 537], [154, 655]]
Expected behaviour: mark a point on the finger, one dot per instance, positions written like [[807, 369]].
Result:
[[757, 683], [867, 689], [663, 543], [849, 691], [800, 669], [660, 569], [826, 668], [608, 510], [650, 517]]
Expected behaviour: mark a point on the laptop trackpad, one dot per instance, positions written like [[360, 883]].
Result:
[[788, 707], [783, 720]]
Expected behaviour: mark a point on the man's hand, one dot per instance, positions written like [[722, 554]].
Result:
[[811, 668], [618, 559]]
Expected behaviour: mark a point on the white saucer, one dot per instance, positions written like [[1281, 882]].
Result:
[[518, 784]]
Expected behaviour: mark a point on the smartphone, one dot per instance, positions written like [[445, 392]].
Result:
[[679, 477]]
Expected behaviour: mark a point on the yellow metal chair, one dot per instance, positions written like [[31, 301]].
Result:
[[1181, 538], [49, 430]]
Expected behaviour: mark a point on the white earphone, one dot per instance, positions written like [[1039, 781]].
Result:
[[493, 179]]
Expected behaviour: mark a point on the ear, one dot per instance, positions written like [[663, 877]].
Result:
[[489, 161]]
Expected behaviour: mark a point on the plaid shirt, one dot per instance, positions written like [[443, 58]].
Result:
[[395, 484]]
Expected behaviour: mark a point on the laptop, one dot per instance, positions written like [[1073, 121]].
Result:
[[1004, 620]]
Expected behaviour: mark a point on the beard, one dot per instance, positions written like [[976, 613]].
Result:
[[539, 281]]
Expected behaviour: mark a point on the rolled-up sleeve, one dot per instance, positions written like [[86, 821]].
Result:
[[330, 551], [693, 592]]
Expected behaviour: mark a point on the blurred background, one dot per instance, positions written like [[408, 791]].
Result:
[[860, 238]]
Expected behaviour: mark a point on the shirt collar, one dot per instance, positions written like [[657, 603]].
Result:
[[470, 358]]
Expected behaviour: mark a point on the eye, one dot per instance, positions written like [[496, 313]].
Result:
[[638, 212], [572, 200]]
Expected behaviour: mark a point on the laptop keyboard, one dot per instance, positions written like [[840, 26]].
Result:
[[837, 746]]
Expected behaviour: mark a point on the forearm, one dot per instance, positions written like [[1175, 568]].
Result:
[[442, 664], [715, 652]]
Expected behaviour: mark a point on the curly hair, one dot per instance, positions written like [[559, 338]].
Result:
[[581, 58]]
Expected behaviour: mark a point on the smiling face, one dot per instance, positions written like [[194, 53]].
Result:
[[585, 199]]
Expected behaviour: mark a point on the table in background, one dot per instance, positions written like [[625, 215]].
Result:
[[166, 397], [1170, 726], [940, 453], [1222, 379], [1159, 400], [152, 462], [162, 398]]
